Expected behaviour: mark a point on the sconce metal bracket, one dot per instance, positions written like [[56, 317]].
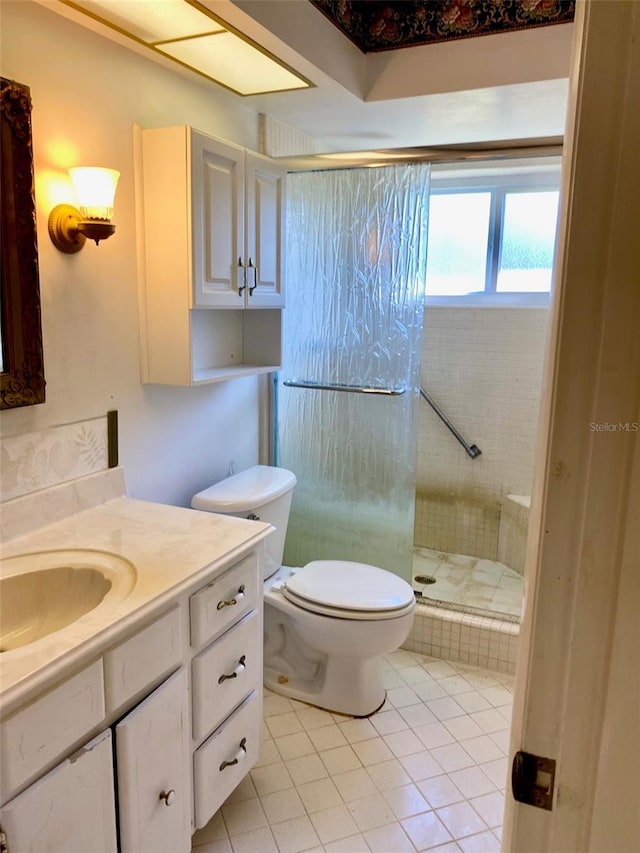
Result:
[[63, 229], [69, 232]]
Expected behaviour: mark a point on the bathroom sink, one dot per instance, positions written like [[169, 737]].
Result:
[[43, 592]]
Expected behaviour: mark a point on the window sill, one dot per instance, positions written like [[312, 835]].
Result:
[[491, 300]]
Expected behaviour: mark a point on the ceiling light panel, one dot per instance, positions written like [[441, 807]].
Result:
[[189, 34], [150, 20], [230, 60]]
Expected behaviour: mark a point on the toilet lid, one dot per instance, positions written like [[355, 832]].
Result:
[[342, 585], [245, 491]]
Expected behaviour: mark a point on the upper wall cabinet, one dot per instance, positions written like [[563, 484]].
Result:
[[213, 239], [237, 200]]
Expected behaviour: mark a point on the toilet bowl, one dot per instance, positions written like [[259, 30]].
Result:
[[327, 624]]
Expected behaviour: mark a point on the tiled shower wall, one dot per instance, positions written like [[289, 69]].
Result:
[[483, 367]]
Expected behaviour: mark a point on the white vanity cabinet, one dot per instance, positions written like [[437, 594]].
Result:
[[150, 734], [72, 808], [226, 683], [154, 785], [226, 757], [213, 222]]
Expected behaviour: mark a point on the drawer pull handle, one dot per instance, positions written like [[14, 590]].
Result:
[[168, 796], [240, 754], [236, 672], [232, 601]]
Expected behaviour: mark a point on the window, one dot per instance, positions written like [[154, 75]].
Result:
[[492, 234]]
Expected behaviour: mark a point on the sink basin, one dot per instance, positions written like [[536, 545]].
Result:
[[43, 592]]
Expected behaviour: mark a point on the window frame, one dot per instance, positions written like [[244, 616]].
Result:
[[499, 186]]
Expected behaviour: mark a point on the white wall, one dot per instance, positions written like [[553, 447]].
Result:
[[483, 367], [87, 93]]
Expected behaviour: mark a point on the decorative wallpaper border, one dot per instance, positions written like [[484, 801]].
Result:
[[404, 23], [38, 460]]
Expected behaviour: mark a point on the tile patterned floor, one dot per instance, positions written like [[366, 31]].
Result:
[[484, 586], [427, 772]]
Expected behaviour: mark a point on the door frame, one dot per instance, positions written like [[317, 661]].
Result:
[[584, 509]]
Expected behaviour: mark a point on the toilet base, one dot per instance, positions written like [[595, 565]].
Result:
[[348, 686]]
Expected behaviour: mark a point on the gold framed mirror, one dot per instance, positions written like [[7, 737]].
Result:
[[22, 368]]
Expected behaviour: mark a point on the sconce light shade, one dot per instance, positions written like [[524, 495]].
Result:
[[96, 189]]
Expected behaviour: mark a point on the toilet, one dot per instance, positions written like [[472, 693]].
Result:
[[327, 624]]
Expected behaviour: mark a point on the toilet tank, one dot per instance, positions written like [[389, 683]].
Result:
[[261, 492]]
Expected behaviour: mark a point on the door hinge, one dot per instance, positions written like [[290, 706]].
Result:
[[532, 779]]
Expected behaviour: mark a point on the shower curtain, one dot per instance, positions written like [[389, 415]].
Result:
[[356, 267]]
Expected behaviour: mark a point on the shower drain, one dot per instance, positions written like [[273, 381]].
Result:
[[424, 579]]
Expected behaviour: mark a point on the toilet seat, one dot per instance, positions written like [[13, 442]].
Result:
[[347, 590]]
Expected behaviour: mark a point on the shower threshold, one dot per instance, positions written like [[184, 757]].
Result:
[[471, 613]]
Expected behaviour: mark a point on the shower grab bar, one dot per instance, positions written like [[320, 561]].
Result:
[[352, 389], [472, 450]]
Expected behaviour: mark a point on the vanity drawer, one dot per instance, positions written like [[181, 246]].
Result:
[[226, 672], [226, 757], [222, 602], [36, 736], [142, 661]]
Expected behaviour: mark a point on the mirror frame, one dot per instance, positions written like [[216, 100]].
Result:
[[22, 378]]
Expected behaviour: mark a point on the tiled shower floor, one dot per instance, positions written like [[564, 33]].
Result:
[[479, 586], [427, 772]]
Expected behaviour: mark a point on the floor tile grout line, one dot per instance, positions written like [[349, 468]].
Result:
[[396, 662]]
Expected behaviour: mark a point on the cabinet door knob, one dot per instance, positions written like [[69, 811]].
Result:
[[240, 754], [232, 601], [236, 672], [168, 796]]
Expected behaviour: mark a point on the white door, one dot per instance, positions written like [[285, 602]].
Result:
[[70, 810], [578, 680], [265, 200], [153, 761], [217, 197]]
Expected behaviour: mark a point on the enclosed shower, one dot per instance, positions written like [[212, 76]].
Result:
[[383, 407], [348, 395]]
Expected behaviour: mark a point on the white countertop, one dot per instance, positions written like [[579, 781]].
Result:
[[170, 548]]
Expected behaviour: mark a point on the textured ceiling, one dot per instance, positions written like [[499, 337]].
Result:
[[375, 25]]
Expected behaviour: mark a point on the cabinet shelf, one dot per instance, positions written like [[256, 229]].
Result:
[[210, 375]]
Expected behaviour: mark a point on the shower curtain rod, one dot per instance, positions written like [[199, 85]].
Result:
[[455, 153]]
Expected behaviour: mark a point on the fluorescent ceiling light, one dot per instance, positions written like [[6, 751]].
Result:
[[225, 56], [190, 34], [150, 20]]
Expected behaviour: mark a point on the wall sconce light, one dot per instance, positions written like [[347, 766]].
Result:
[[70, 227]]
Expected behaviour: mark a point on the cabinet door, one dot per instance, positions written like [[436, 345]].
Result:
[[265, 202], [154, 792], [70, 809], [217, 194]]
